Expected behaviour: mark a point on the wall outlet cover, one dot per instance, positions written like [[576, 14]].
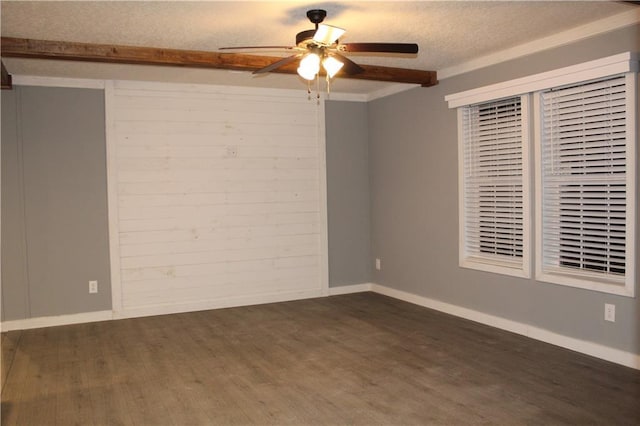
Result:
[[610, 312]]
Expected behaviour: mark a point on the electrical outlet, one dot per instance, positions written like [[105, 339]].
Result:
[[609, 312], [378, 267], [93, 286]]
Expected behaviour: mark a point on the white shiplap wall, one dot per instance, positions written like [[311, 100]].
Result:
[[217, 196]]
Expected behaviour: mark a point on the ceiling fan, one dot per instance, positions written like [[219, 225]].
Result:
[[321, 46], [319, 52]]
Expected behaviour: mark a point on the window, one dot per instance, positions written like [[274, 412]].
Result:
[[584, 119], [492, 149], [584, 203]]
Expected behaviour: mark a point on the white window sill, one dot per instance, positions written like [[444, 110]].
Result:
[[588, 281], [514, 269]]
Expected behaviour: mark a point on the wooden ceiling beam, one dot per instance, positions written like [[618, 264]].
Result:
[[72, 51], [6, 78]]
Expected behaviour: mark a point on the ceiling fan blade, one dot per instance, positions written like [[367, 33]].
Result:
[[326, 35], [379, 47], [256, 47], [277, 64], [350, 67]]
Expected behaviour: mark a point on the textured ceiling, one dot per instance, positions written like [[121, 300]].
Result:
[[449, 33]]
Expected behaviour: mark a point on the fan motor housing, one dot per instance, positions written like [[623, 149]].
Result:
[[304, 37], [316, 16]]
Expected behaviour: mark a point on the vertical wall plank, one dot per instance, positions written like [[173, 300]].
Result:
[[15, 283]]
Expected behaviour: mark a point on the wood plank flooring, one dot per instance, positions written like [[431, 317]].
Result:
[[354, 359]]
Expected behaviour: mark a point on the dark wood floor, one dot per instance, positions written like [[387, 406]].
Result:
[[354, 359]]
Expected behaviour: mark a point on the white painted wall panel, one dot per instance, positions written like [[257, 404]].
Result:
[[218, 195]]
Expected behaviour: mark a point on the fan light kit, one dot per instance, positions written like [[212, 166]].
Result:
[[320, 50]]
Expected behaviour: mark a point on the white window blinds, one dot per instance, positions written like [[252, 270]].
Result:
[[492, 152], [584, 174], [583, 121]]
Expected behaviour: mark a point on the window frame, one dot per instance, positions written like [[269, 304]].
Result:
[[623, 63], [582, 278], [521, 268]]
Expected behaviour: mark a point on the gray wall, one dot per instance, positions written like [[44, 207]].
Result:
[[348, 193], [54, 202], [414, 211]]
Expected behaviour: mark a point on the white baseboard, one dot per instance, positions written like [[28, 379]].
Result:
[[617, 356], [39, 322], [176, 308], [597, 350], [52, 321], [348, 289]]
